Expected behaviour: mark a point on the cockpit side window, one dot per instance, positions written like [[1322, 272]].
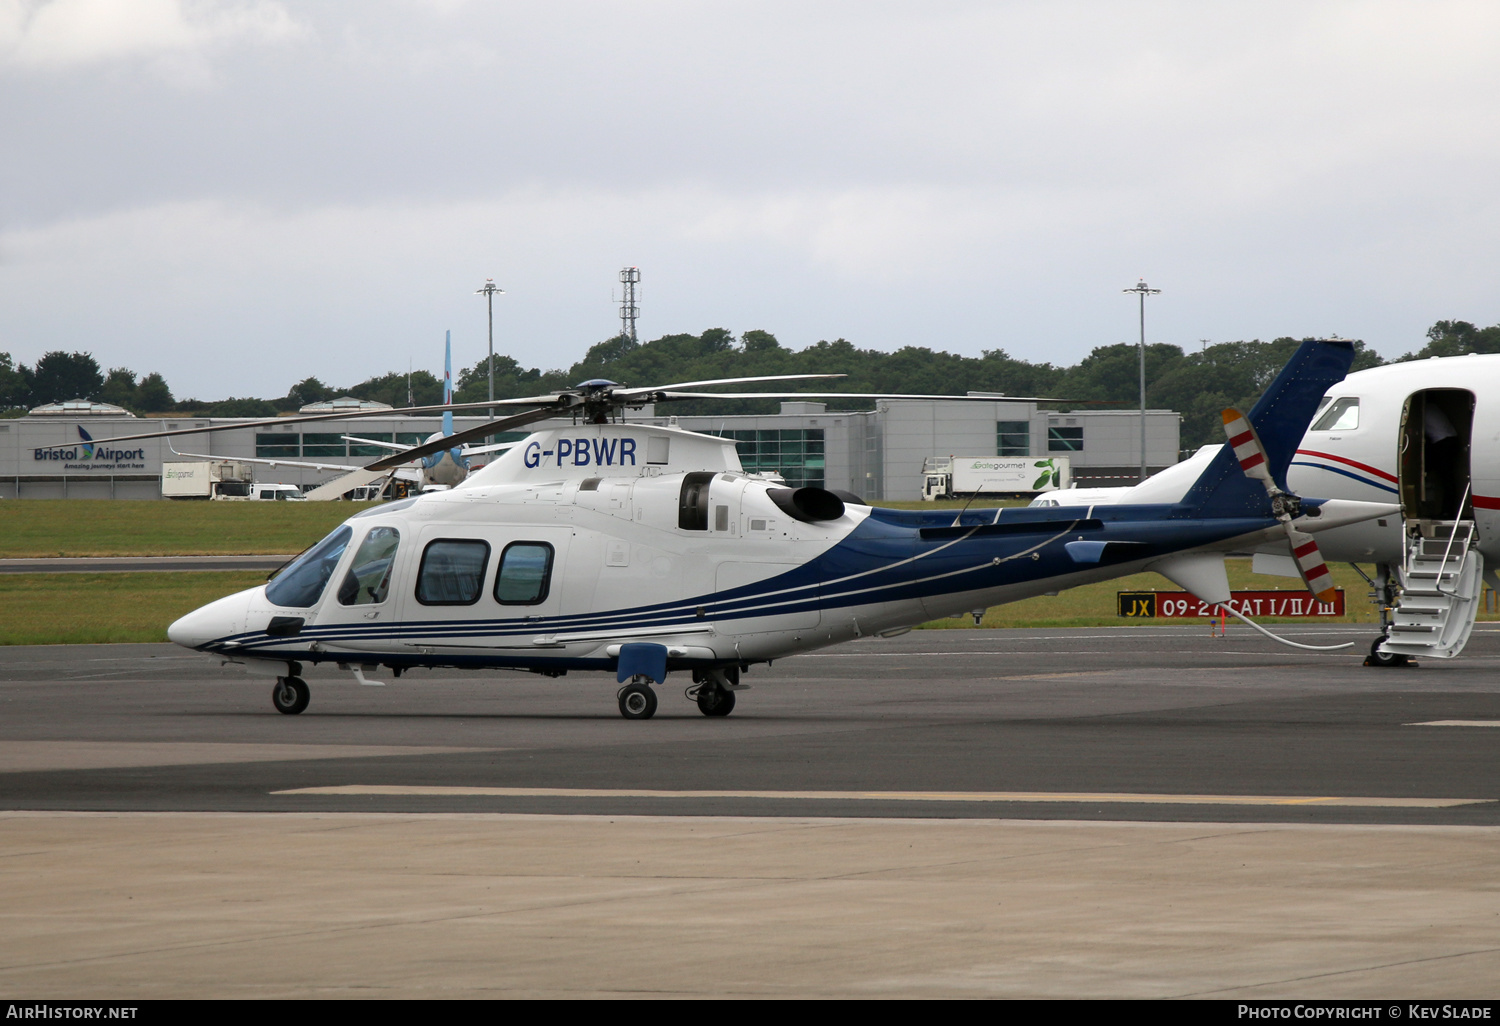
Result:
[[1341, 415], [301, 584], [368, 581]]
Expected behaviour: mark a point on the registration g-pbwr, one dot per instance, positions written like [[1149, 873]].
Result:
[[644, 551]]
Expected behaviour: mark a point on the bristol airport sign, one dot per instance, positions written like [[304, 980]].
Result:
[[87, 455]]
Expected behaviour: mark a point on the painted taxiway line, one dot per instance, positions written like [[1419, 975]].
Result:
[[429, 791], [43, 756], [1456, 723]]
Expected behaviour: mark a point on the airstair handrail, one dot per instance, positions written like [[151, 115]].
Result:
[[1452, 535], [1456, 521]]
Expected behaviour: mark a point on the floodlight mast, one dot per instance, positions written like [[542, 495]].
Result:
[[489, 292], [630, 277], [1141, 289]]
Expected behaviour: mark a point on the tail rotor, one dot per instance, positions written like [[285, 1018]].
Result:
[[1285, 506]]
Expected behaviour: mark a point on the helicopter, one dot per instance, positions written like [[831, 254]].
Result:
[[638, 550]]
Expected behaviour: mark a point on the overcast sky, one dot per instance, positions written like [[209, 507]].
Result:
[[241, 193]]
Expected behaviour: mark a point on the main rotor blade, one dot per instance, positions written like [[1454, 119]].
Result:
[[458, 438], [724, 381], [665, 396], [310, 417]]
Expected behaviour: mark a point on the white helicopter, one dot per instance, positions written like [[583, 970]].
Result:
[[435, 471], [1424, 433], [639, 550]]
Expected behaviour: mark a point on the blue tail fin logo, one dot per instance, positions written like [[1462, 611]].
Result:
[[447, 382]]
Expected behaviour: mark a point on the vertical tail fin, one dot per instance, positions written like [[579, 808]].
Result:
[[447, 382], [1280, 418]]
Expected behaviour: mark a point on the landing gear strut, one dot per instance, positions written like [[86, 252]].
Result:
[[637, 700], [290, 695], [1384, 592]]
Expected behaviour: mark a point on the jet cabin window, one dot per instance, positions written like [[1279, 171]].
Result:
[[1341, 415], [301, 584], [452, 572], [368, 581], [525, 574]]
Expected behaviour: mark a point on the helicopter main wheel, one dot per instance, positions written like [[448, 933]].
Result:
[[714, 700], [1379, 658], [290, 695], [637, 702]]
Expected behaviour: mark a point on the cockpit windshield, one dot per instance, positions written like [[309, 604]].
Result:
[[301, 584], [1342, 415]]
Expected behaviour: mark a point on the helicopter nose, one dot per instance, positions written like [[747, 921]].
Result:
[[209, 623]]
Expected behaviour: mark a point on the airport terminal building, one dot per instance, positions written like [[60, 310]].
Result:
[[877, 453]]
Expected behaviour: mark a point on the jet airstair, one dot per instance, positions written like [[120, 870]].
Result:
[[1441, 580]]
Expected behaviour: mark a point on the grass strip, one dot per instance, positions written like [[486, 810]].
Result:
[[93, 609], [83, 609], [105, 527], [1094, 605]]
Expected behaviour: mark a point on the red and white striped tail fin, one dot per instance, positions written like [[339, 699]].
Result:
[[1310, 561], [1246, 445]]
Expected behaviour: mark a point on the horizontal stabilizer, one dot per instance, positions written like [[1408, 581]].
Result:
[[1201, 573]]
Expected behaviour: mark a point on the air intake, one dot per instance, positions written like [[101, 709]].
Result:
[[810, 505]]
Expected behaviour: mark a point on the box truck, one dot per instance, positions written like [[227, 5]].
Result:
[[963, 477], [206, 479]]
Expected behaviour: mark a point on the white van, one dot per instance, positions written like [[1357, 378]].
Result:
[[277, 492]]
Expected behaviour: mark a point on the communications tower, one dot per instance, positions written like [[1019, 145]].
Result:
[[629, 278]]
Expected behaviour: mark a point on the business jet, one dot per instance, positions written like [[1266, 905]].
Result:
[[636, 550], [1425, 434]]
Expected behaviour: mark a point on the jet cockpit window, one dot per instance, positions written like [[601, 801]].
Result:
[[301, 584], [1341, 415], [525, 574], [368, 581], [452, 572]]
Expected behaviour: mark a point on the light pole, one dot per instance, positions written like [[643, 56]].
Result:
[[1142, 290], [488, 292]]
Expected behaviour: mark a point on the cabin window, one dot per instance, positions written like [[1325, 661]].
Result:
[[525, 574], [301, 584], [452, 572], [368, 581], [1341, 415]]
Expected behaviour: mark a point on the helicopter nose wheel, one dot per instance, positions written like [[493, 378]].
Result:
[[290, 695], [637, 701]]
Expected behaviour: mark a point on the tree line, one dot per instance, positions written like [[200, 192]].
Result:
[[1196, 383]]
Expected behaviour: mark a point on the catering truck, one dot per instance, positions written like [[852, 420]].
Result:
[[206, 479], [964, 477]]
